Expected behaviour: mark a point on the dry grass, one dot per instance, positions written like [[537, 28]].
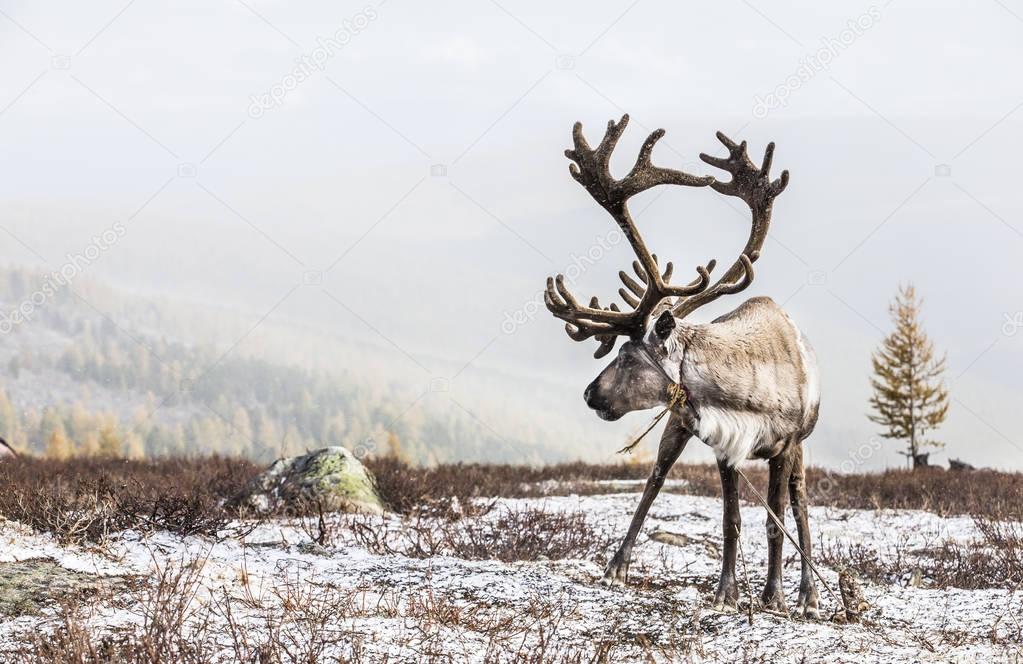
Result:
[[995, 561], [85, 499], [407, 488], [932, 489], [444, 511], [167, 607], [301, 621], [510, 535], [192, 483]]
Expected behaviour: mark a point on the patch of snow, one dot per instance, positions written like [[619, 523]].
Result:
[[663, 613]]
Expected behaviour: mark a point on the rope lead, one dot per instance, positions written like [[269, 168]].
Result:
[[676, 397]]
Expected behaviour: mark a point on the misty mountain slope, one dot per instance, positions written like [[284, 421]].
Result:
[[161, 376]]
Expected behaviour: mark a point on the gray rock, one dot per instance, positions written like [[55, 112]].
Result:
[[331, 477], [30, 586]]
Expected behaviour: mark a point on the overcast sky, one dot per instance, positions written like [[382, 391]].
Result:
[[406, 159]]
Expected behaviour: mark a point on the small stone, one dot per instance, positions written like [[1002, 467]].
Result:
[[668, 537]]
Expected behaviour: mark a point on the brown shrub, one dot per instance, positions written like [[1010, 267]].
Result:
[[995, 561], [406, 488], [946, 493], [932, 489], [516, 534], [84, 499], [303, 621]]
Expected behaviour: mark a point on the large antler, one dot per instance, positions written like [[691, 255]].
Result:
[[754, 186], [591, 169]]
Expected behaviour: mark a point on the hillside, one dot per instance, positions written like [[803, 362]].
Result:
[[93, 369]]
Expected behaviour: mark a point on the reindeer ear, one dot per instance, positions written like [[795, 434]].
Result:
[[665, 324]]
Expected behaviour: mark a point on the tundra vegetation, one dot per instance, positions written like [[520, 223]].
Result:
[[174, 519]]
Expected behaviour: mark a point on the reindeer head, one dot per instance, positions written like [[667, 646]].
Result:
[[640, 376], [648, 363]]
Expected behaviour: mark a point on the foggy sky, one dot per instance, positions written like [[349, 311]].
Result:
[[413, 182]]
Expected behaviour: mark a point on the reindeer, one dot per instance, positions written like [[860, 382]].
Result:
[[745, 384]]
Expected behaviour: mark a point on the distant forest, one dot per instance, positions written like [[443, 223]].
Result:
[[189, 395]]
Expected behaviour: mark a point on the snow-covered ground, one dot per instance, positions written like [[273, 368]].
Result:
[[391, 607]]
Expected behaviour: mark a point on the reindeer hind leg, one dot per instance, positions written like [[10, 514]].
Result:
[[773, 597], [808, 598]]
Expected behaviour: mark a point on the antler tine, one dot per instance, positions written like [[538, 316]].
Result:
[[629, 298], [575, 334], [640, 272], [591, 168], [765, 166], [607, 341], [748, 182], [630, 283], [696, 285], [583, 322], [607, 344], [746, 280], [669, 269], [755, 187]]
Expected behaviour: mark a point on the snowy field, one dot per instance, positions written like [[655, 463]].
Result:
[[338, 600]]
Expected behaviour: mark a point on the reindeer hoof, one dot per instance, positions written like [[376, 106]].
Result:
[[616, 575], [773, 601], [611, 581], [810, 613], [725, 607], [807, 604], [726, 599]]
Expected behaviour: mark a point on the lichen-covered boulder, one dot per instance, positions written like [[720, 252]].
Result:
[[330, 477]]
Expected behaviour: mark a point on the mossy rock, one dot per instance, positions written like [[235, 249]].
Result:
[[331, 478], [29, 586]]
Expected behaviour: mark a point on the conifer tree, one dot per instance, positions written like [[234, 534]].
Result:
[[394, 448], [89, 446], [909, 397], [110, 437], [58, 446]]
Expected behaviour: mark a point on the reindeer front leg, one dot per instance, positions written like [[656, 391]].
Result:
[[673, 441]]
